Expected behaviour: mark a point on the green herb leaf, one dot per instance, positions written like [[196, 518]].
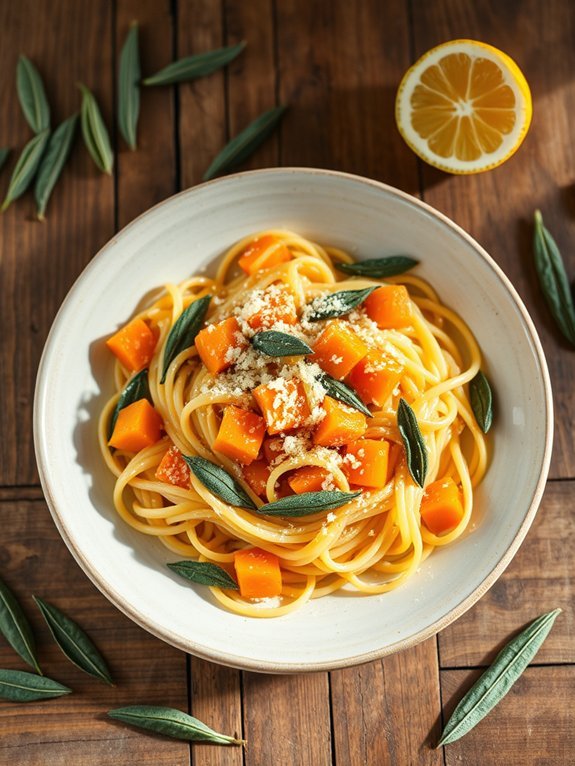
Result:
[[379, 268], [52, 163], [25, 168], [245, 143], [338, 304], [15, 627], [481, 401], [129, 87], [183, 333], [171, 723], [95, 132], [74, 642], [339, 390], [553, 279], [19, 686], [32, 95], [415, 449], [4, 152], [192, 67], [273, 343], [136, 388], [219, 482], [497, 680], [204, 573], [308, 503]]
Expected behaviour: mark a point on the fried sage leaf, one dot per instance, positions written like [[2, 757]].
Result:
[[481, 401], [192, 67], [219, 482], [273, 343], [15, 627], [184, 331], [338, 304], [74, 642], [53, 162], [204, 573], [19, 686], [136, 388], [171, 723], [32, 95], [415, 449], [95, 132], [379, 268], [497, 680], [308, 503], [245, 143], [129, 88], [4, 152], [25, 168], [339, 390]]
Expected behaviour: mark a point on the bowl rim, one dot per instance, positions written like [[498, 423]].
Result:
[[265, 666]]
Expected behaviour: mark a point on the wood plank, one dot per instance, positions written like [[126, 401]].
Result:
[[75, 729], [386, 712], [533, 725], [69, 42], [539, 579], [497, 207]]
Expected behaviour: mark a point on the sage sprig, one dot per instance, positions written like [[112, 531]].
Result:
[[553, 279], [19, 686], [15, 627], [219, 482], [497, 680], [74, 642], [4, 152], [338, 304], [184, 331], [192, 67], [379, 268], [95, 132], [129, 87], [245, 143], [136, 388], [25, 168], [53, 162], [171, 723], [415, 449], [273, 343], [32, 95], [481, 401], [204, 573], [339, 390], [308, 503]]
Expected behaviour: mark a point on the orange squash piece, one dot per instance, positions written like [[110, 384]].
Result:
[[375, 376], [173, 469], [263, 253], [240, 435], [338, 349], [133, 345], [278, 306], [441, 506], [257, 474], [368, 465], [310, 478], [217, 344], [283, 404], [138, 426], [341, 424], [273, 448], [389, 307], [258, 573]]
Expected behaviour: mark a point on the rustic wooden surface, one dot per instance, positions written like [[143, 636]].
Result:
[[337, 63]]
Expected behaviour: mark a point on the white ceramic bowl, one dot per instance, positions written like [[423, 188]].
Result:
[[185, 234]]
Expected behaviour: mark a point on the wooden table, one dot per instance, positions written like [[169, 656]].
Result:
[[337, 64]]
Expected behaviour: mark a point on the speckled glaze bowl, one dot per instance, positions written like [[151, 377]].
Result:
[[185, 234]]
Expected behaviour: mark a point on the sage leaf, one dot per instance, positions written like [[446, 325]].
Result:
[[25, 168], [129, 87], [53, 162], [379, 268], [204, 573], [245, 143], [553, 279], [338, 304], [15, 627], [339, 390], [19, 686], [415, 449], [171, 723], [273, 343], [497, 680], [32, 95], [481, 401], [95, 132], [219, 482], [192, 67], [308, 503], [74, 642], [184, 331], [136, 388], [4, 152]]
